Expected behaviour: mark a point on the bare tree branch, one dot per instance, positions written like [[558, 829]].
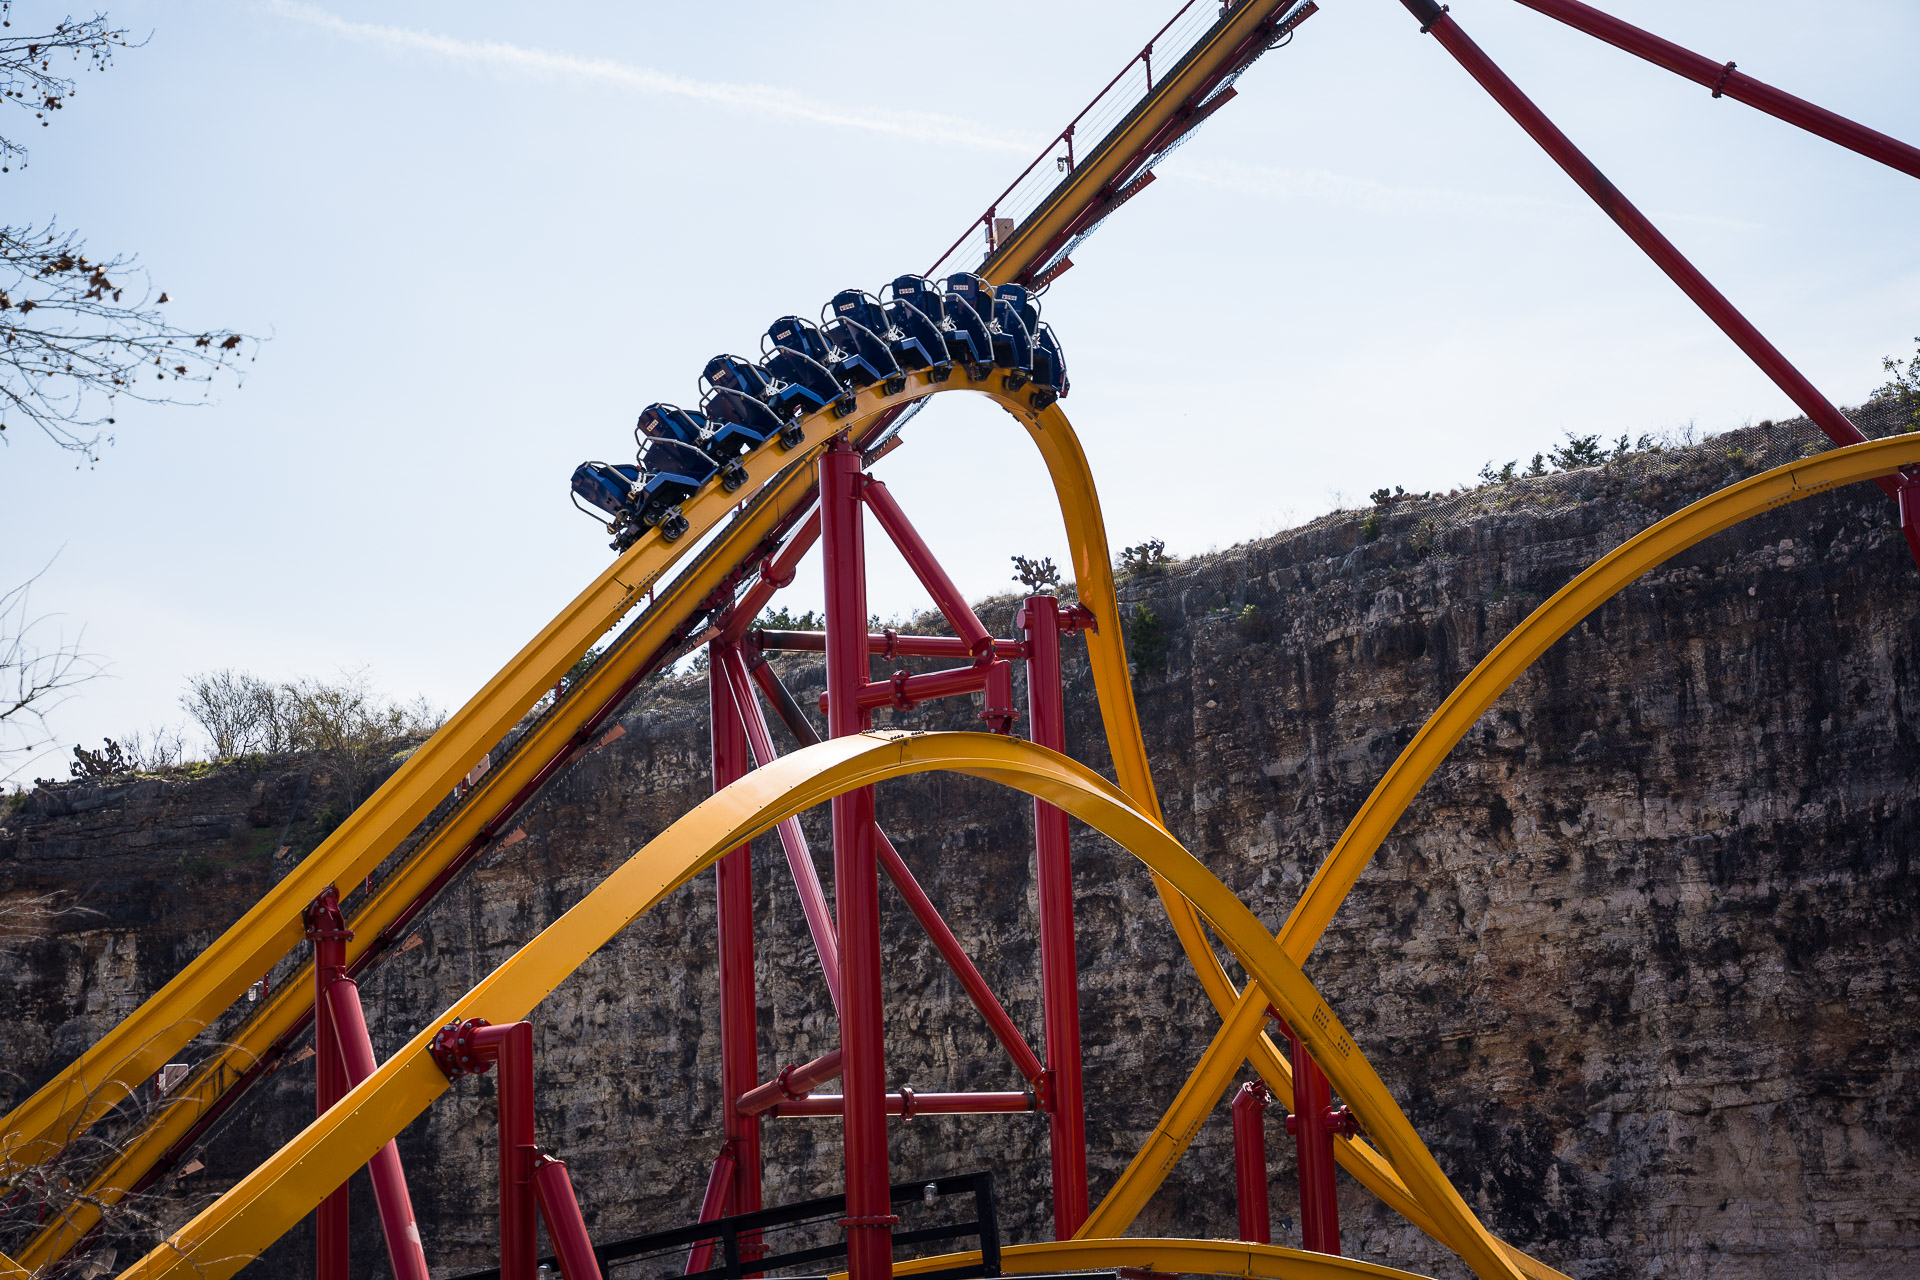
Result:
[[36, 672], [27, 78], [76, 334]]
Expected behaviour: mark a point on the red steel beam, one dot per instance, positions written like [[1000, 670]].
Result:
[[916, 897], [908, 1104], [1726, 82], [776, 571], [806, 878], [402, 1231], [888, 644], [553, 1189], [870, 1218], [957, 959], [327, 931], [920, 559], [907, 690], [1059, 970], [1311, 1125], [1435, 19], [733, 898], [714, 1204], [792, 1082], [1250, 1163]]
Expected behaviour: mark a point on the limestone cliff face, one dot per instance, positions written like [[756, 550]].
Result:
[[1639, 961]]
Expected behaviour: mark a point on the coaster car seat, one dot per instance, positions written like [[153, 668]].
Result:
[[795, 334], [661, 421], [861, 356], [1049, 368], [614, 489], [675, 471], [737, 373], [737, 423], [803, 384], [964, 318]]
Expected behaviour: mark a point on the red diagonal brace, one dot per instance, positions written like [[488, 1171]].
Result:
[[1727, 82], [806, 878], [920, 558], [1435, 19], [957, 959]]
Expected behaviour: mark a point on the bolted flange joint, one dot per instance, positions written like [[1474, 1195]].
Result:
[[453, 1051]]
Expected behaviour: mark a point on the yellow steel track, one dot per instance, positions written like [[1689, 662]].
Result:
[[1398, 1168]]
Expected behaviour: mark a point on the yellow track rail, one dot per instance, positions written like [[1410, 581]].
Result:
[[96, 1074], [1442, 731], [154, 1033], [289, 1184]]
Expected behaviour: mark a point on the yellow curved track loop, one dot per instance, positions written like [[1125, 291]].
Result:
[[290, 1183], [1165, 1257], [1442, 731]]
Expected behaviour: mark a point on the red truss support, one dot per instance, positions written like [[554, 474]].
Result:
[[1250, 1162], [531, 1182], [1059, 971], [850, 948], [907, 1104], [870, 1218], [343, 1057], [1728, 82], [733, 894], [1435, 19], [1314, 1124]]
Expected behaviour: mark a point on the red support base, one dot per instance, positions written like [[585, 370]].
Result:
[[531, 1183], [1250, 1162], [1312, 1127], [337, 1007]]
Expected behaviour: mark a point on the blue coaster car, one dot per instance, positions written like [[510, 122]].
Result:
[[659, 421], [858, 306], [737, 373], [675, 471], [969, 329], [1049, 368], [614, 490], [795, 334], [805, 384], [911, 335], [1023, 302], [738, 423], [1012, 344], [861, 356]]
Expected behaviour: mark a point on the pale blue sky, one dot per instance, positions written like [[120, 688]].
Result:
[[485, 235]]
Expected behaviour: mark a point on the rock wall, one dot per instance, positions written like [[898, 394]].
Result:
[[1638, 962]]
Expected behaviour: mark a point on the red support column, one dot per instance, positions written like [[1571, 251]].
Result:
[[397, 1222], [1435, 19], [531, 1182], [869, 1219], [511, 1046], [327, 930], [1250, 1162], [733, 892], [1910, 513], [1311, 1125], [1060, 976]]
